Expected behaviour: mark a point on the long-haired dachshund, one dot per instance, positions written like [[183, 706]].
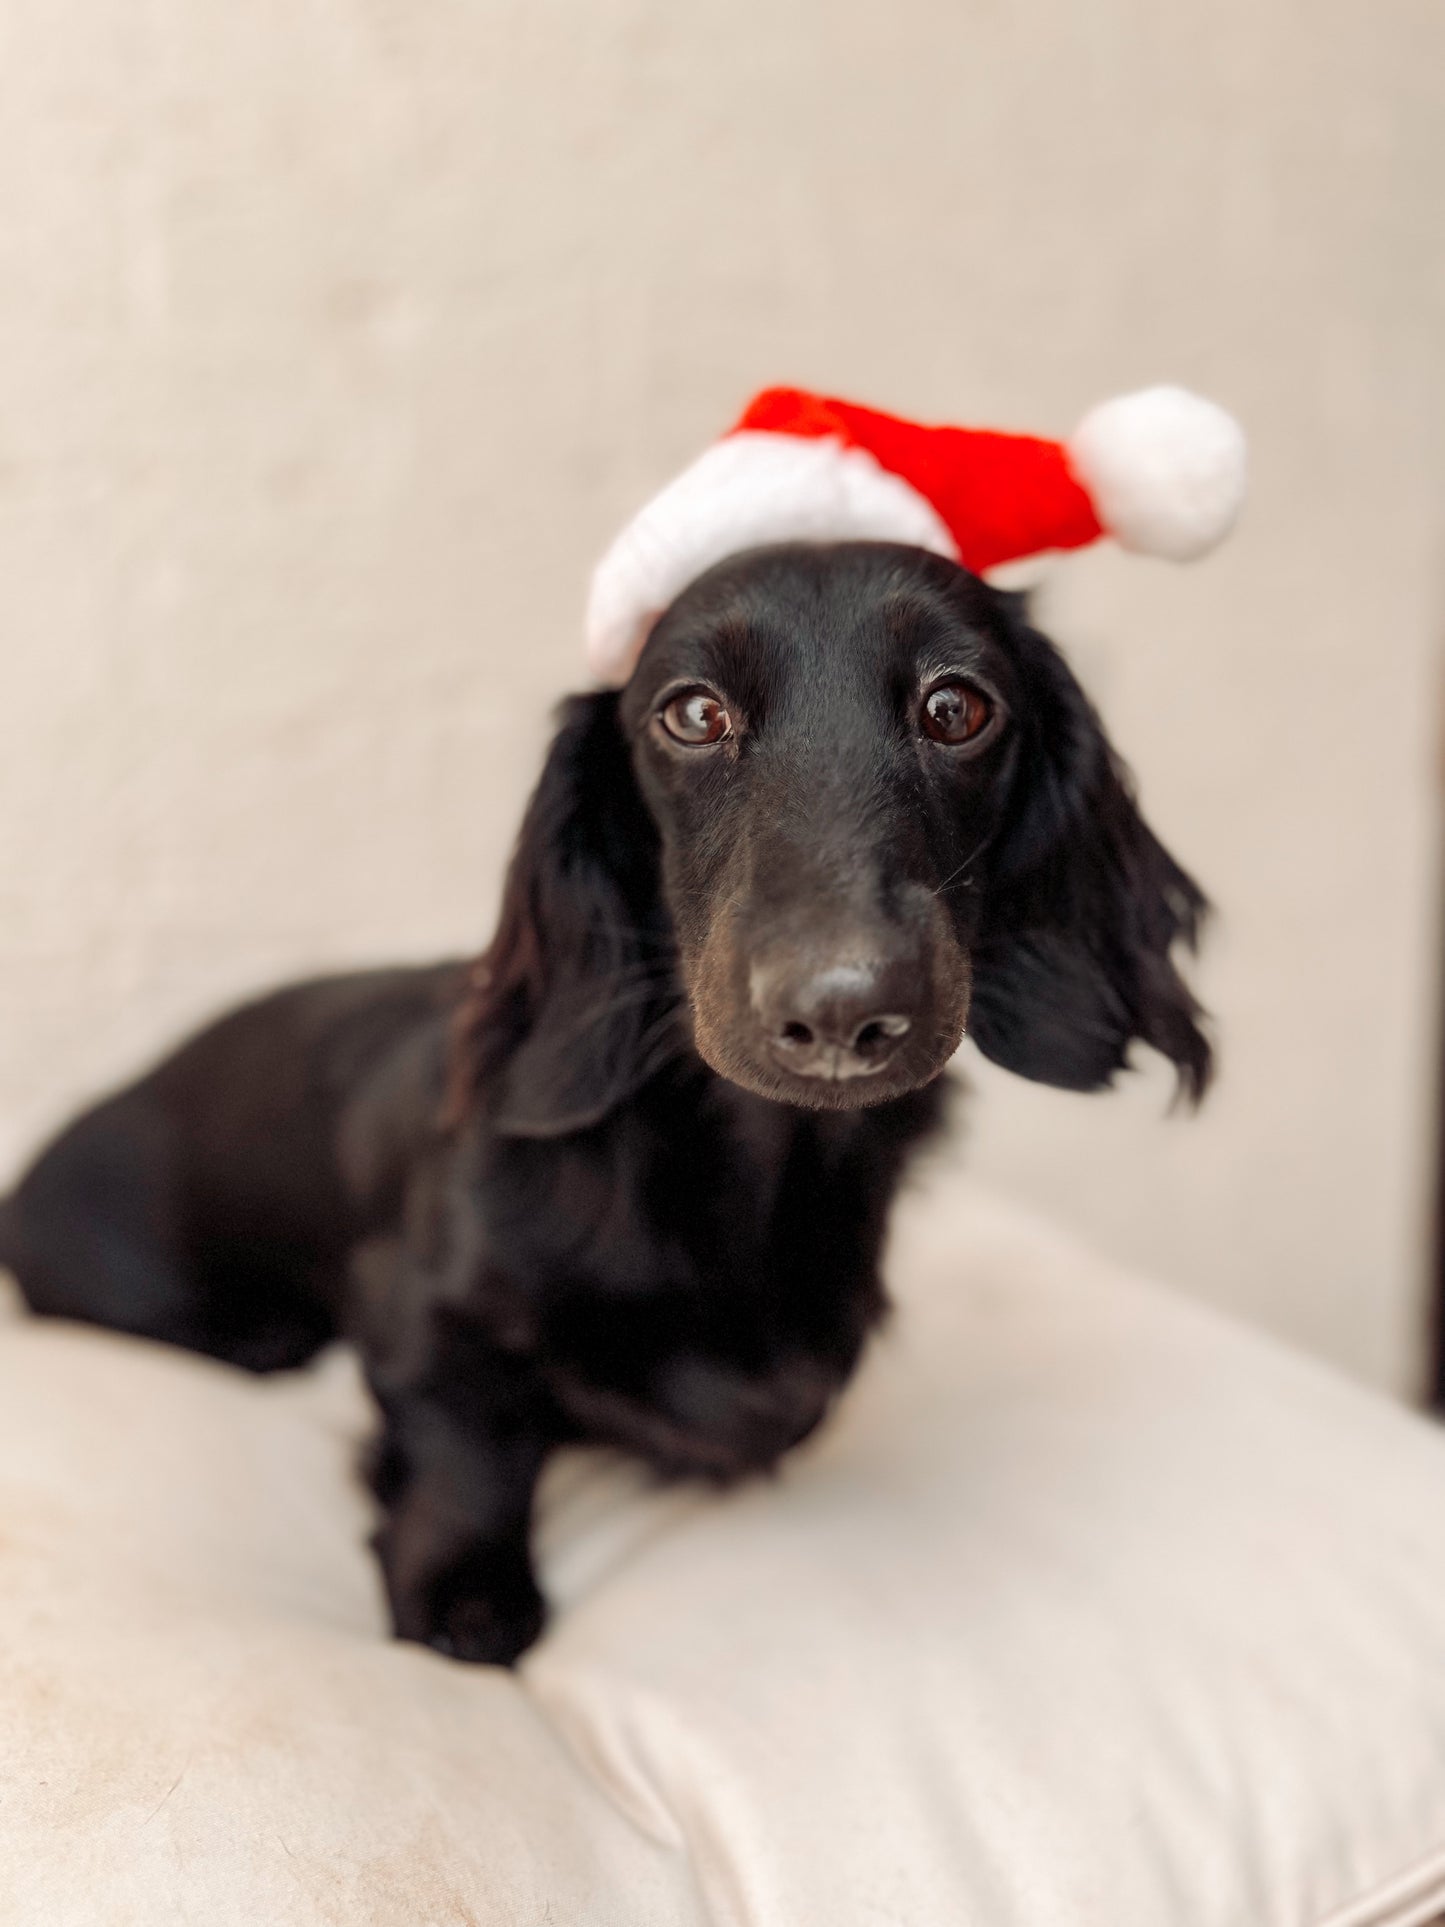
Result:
[[626, 1178]]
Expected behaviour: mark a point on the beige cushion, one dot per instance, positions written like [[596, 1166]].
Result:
[[1089, 1609]]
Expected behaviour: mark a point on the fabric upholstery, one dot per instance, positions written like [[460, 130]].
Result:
[[1088, 1609]]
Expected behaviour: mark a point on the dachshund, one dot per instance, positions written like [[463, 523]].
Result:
[[626, 1179]]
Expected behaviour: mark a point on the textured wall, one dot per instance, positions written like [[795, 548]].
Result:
[[337, 335]]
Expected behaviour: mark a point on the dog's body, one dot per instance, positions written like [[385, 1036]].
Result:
[[628, 1179]]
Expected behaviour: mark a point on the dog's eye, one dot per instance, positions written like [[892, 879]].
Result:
[[696, 717], [956, 712]]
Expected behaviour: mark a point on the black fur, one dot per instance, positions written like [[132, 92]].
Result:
[[574, 1192]]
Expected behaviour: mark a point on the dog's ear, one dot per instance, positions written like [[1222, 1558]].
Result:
[[1082, 909], [571, 1008]]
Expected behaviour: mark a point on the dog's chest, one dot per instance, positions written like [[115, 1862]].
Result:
[[728, 1224], [697, 1277]]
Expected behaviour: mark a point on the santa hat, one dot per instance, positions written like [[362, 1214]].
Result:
[[1162, 471]]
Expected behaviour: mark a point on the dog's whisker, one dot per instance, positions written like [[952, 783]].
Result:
[[963, 874]]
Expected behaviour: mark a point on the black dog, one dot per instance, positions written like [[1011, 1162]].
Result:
[[627, 1178]]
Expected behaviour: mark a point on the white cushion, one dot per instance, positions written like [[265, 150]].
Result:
[[1087, 1609]]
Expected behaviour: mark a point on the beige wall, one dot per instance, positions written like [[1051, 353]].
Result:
[[337, 335]]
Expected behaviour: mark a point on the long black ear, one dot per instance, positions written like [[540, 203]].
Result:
[[572, 1007], [1083, 907]]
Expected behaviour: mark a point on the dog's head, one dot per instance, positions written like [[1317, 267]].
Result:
[[849, 806]]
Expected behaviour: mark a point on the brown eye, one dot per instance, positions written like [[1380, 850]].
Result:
[[956, 712], [696, 717]]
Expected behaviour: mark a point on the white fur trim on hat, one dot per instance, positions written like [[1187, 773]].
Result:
[[1164, 468], [746, 490]]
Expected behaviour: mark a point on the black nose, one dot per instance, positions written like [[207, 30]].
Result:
[[843, 1021]]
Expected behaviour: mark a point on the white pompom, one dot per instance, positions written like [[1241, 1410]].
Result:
[[1164, 468]]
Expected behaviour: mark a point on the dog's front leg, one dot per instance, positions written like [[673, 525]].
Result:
[[461, 1446]]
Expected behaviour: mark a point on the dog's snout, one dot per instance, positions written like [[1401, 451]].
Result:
[[836, 1022]]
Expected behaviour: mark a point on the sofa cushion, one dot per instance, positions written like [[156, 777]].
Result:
[[1087, 1608], [201, 1720]]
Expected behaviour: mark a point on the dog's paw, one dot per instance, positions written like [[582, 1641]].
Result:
[[485, 1610], [478, 1632]]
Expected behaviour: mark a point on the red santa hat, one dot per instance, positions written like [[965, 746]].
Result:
[[1162, 471]]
